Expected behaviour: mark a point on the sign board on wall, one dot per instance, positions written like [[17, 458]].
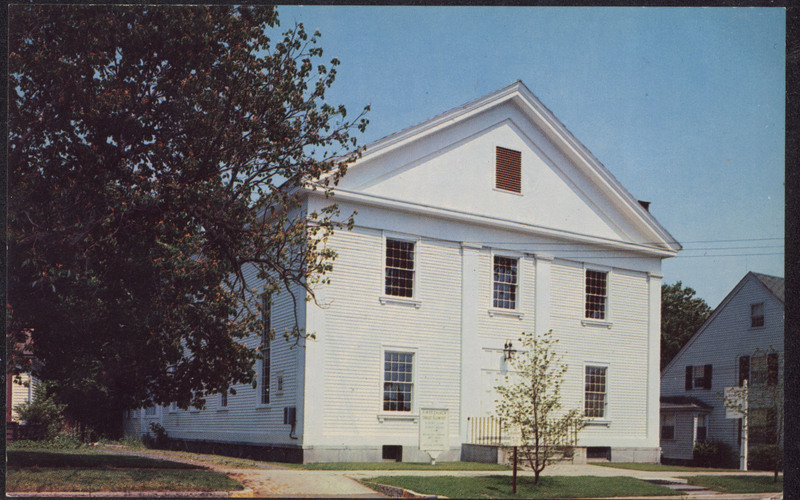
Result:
[[433, 431]]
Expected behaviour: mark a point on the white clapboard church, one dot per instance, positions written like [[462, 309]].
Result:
[[480, 223]]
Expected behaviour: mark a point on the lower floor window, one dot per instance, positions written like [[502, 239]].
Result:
[[398, 382], [667, 426], [762, 426], [702, 427], [595, 392]]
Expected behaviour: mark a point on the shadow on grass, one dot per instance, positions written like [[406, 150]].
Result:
[[96, 460]]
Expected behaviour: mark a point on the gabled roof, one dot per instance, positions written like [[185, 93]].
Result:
[[773, 284], [544, 119]]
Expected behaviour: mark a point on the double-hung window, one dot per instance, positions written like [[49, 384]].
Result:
[[398, 381], [698, 377], [759, 369], [702, 428], [505, 283], [594, 405], [667, 426], [596, 294], [266, 312], [399, 280], [757, 315]]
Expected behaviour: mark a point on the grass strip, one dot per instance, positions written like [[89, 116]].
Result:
[[442, 466], [738, 484], [657, 467], [548, 487], [119, 480], [85, 459]]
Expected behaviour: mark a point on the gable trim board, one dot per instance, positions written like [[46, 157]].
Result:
[[749, 276]]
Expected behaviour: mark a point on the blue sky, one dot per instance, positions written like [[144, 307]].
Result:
[[685, 106]]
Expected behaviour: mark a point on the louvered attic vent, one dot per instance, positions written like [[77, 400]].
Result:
[[508, 173]]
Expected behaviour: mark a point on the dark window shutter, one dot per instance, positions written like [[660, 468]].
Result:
[[508, 172], [772, 369], [688, 378], [744, 369], [707, 377]]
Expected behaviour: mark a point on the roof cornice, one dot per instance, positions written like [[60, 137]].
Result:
[[473, 218]]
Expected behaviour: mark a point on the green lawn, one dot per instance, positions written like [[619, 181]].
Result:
[[89, 470], [81, 480], [738, 484], [658, 467], [441, 466], [548, 487]]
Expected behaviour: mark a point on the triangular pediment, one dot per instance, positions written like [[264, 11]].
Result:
[[449, 163]]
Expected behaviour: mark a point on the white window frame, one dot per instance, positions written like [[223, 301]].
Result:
[[607, 320], [280, 383], [224, 397], [753, 316], [697, 419], [413, 415], [664, 418], [606, 418], [173, 407], [260, 387], [498, 311], [385, 298]]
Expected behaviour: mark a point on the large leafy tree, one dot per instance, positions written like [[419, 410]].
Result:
[[154, 154], [682, 314]]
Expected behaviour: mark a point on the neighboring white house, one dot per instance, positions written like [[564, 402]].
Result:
[[480, 223], [721, 354]]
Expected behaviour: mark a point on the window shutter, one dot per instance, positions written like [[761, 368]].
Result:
[[744, 369], [707, 377], [688, 378], [772, 369], [508, 170]]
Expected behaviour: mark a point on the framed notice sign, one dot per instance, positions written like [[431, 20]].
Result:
[[433, 431]]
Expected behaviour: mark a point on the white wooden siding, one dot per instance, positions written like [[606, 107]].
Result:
[[245, 420], [621, 347], [21, 392], [358, 327]]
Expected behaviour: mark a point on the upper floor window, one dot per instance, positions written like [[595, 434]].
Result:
[[398, 383], [756, 315], [698, 377], [223, 399], [596, 294], [595, 392], [759, 370], [505, 282], [508, 170], [399, 268]]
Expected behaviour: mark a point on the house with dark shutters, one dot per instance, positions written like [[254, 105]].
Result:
[[741, 341]]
